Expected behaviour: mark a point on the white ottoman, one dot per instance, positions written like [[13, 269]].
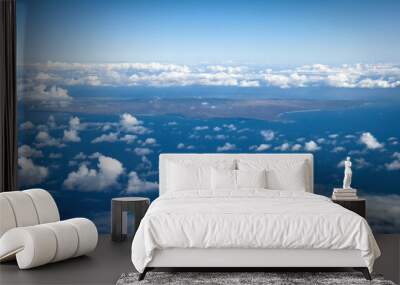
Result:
[[33, 243]]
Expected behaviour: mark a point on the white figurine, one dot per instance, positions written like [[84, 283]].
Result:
[[347, 174]]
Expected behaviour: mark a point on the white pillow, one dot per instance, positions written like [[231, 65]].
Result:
[[223, 179], [226, 179], [282, 174], [251, 178], [183, 178], [193, 175]]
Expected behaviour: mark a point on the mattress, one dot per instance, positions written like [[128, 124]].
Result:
[[251, 219]]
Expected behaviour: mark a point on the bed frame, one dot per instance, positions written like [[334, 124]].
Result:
[[242, 259]]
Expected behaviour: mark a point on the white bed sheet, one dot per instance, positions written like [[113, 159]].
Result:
[[250, 219]]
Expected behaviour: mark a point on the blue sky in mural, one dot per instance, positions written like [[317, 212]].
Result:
[[105, 86], [260, 32]]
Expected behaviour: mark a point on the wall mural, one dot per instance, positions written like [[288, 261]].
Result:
[[104, 87]]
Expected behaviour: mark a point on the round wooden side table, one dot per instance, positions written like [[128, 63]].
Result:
[[119, 215]]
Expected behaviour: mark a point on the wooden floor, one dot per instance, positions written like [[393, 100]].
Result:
[[110, 260]]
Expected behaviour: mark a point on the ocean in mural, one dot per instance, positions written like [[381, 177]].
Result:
[[104, 87]]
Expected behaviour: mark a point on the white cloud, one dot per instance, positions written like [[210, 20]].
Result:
[[142, 151], [150, 141], [85, 179], [230, 127], [71, 136], [128, 138], [283, 147], [200, 128], [55, 96], [311, 146], [111, 137], [361, 163], [384, 212], [42, 136], [51, 122], [80, 156], [44, 139], [27, 151], [290, 79], [28, 125], [370, 141], [249, 83], [42, 76], [395, 164], [261, 147], [342, 80], [145, 165], [350, 136], [95, 155], [74, 123], [92, 80], [339, 149], [183, 146], [227, 69], [162, 74], [277, 80], [340, 164], [296, 147], [356, 152], [377, 83], [396, 155], [131, 124], [106, 127], [226, 147], [321, 68], [42, 127], [30, 173], [268, 135], [136, 185], [127, 121], [53, 155]]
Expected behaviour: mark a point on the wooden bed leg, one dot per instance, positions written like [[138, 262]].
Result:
[[143, 274], [364, 271]]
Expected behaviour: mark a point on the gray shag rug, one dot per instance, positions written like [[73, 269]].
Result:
[[243, 278]]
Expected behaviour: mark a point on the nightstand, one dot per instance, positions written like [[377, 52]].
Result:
[[119, 215], [356, 205]]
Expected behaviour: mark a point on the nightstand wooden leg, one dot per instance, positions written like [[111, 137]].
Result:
[[364, 271]]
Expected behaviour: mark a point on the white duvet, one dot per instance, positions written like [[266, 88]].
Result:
[[250, 219]]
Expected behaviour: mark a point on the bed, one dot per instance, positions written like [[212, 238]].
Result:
[[247, 210]]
